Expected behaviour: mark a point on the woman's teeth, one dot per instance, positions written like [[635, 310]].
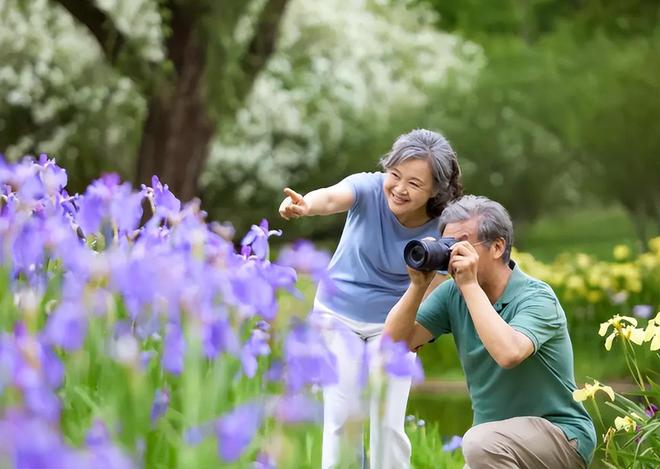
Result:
[[398, 199]]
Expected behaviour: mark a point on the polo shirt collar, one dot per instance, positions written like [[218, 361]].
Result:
[[513, 287]]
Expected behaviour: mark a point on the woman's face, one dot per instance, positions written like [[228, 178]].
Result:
[[408, 186]]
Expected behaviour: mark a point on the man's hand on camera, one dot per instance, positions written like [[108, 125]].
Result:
[[463, 263], [294, 206], [420, 278]]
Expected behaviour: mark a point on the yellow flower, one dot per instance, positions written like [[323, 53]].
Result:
[[654, 245], [590, 390], [627, 331], [615, 322], [621, 252], [583, 261], [594, 296], [633, 334], [652, 333], [625, 423], [648, 260]]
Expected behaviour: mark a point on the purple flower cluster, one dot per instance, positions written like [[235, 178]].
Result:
[[174, 278]]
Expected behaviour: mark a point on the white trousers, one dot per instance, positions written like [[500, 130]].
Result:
[[362, 384]]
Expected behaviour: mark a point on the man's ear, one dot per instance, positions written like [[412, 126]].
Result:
[[498, 247]]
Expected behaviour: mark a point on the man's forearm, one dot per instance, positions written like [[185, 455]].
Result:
[[400, 322], [499, 338]]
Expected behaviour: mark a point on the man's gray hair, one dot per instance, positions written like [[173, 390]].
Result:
[[434, 148], [493, 220]]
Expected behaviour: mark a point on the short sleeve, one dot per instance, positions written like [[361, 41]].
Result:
[[433, 313], [539, 317], [363, 185]]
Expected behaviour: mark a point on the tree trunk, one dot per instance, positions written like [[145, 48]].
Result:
[[178, 129]]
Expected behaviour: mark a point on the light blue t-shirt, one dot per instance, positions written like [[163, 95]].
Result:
[[367, 274]]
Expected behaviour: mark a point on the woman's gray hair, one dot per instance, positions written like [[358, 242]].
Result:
[[434, 148], [493, 221]]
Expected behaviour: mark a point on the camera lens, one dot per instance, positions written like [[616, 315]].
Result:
[[429, 255], [417, 254]]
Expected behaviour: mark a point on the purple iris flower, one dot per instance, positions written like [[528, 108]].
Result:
[[42, 402], [454, 443], [29, 442], [126, 208], [137, 280], [107, 200], [651, 410], [399, 362], [218, 337], [30, 188], [257, 239], [195, 435], [109, 456], [160, 404], [52, 367], [256, 346], [97, 434], [236, 430], [92, 209], [253, 293], [102, 453], [28, 247], [298, 408], [30, 364], [53, 177], [164, 200], [276, 371], [145, 358], [264, 461], [67, 327], [279, 276], [642, 311], [304, 257], [174, 349], [308, 360]]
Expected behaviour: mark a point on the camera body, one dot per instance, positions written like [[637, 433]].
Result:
[[429, 254]]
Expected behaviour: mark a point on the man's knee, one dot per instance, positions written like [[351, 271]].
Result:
[[472, 448], [480, 444]]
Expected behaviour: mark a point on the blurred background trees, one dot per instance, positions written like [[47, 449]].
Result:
[[551, 105]]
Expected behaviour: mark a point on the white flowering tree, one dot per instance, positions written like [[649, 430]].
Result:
[[349, 76], [96, 83], [59, 96], [189, 63]]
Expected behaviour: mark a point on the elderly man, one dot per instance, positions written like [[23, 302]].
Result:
[[512, 341]]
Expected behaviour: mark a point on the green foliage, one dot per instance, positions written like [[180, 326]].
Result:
[[565, 109], [593, 231]]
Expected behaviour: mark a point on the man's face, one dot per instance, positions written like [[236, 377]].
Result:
[[467, 231]]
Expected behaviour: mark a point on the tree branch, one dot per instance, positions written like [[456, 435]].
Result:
[[117, 48], [264, 41]]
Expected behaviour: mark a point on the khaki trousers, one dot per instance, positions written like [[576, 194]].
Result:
[[520, 443]]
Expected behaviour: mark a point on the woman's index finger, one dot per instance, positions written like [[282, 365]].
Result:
[[295, 197]]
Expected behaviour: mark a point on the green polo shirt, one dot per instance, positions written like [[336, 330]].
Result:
[[543, 384]]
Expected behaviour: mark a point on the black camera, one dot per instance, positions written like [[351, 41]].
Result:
[[429, 254]]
